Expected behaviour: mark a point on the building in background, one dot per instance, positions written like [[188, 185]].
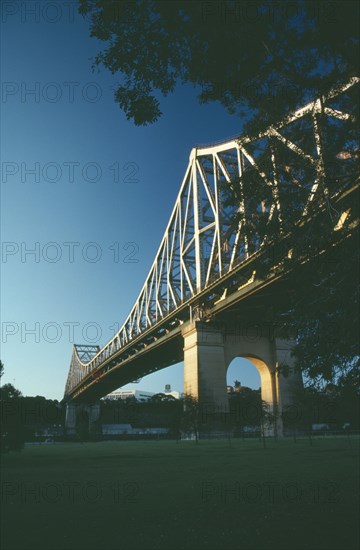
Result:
[[139, 395], [127, 429], [175, 394], [116, 429]]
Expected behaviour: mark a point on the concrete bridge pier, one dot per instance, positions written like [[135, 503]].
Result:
[[205, 371], [208, 352], [93, 411], [82, 418], [70, 418], [289, 386]]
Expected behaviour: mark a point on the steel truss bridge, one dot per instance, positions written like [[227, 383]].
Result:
[[205, 261]]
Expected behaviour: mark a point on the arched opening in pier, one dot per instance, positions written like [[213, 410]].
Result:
[[249, 387], [244, 371]]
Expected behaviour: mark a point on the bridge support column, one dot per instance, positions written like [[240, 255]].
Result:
[[289, 386], [254, 342], [205, 371], [280, 382], [93, 411], [209, 350], [82, 419], [70, 418]]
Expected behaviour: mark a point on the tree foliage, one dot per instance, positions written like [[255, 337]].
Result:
[[11, 421], [192, 416], [336, 407], [245, 408], [8, 391], [321, 263], [262, 57]]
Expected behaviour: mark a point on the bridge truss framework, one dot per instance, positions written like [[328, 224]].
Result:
[[208, 235]]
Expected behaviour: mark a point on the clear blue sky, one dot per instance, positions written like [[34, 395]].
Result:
[[75, 171]]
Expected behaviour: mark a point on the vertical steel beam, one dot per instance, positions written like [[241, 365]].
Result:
[[197, 224]]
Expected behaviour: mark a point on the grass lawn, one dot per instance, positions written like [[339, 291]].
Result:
[[168, 495]]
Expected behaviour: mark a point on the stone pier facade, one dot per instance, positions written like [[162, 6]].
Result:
[[208, 352], [86, 415]]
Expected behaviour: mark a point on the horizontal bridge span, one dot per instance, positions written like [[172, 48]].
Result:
[[214, 231]]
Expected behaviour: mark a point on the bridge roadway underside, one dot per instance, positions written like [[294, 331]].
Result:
[[166, 351]]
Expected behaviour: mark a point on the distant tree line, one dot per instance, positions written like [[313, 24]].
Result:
[[23, 417]]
